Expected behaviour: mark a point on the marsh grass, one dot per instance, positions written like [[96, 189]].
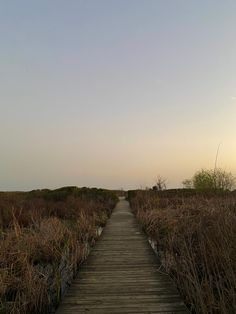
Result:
[[195, 235], [39, 231]]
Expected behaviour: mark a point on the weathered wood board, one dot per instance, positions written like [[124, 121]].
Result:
[[121, 274]]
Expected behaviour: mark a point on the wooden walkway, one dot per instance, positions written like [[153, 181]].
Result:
[[121, 274]]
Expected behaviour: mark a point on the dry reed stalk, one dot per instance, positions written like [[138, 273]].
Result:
[[38, 232], [197, 237]]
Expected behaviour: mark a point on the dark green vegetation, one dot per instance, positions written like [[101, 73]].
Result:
[[44, 237], [195, 236]]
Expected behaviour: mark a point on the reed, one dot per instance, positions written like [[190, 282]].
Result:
[[45, 234], [195, 235]]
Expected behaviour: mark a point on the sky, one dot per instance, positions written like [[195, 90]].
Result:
[[113, 93]]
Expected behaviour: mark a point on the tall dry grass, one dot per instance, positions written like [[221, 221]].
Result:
[[44, 237], [195, 235]]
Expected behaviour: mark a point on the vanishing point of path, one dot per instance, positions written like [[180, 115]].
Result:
[[121, 274]]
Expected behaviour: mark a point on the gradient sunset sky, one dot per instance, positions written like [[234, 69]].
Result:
[[111, 93]]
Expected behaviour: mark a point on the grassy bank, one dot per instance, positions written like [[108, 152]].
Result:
[[195, 235], [44, 237]]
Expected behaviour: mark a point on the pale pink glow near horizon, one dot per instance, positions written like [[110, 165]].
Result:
[[113, 94]]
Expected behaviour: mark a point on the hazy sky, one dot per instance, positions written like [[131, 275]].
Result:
[[112, 93]]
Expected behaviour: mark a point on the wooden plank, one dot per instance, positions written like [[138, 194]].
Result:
[[121, 274]]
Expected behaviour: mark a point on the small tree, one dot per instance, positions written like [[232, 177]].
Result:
[[160, 184], [203, 180], [217, 179], [223, 180]]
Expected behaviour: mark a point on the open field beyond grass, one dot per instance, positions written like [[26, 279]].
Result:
[[44, 237], [195, 237]]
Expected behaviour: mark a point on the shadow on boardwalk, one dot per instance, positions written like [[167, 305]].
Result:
[[121, 274]]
